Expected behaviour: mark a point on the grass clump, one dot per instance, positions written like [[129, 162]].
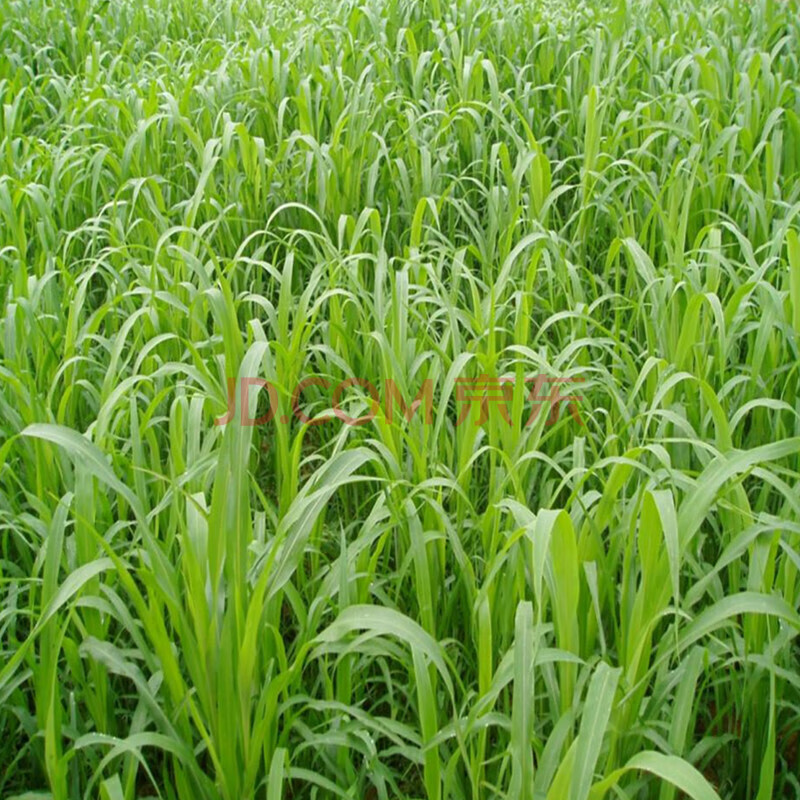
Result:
[[413, 194]]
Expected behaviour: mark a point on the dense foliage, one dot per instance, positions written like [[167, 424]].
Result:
[[598, 602]]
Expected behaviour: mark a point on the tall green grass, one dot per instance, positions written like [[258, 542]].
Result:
[[399, 190]]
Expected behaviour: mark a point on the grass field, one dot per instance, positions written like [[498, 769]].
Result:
[[361, 204]]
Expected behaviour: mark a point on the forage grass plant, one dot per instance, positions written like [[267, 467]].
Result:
[[410, 193]]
